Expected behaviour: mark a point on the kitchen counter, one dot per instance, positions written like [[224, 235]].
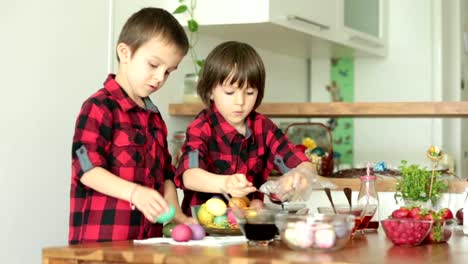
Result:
[[373, 248]]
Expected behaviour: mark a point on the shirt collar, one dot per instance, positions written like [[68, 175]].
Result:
[[222, 127], [122, 98]]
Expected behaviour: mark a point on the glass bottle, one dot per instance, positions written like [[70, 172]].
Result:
[[369, 199], [176, 143], [190, 89]]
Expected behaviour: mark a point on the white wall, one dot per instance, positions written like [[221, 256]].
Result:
[[53, 56]]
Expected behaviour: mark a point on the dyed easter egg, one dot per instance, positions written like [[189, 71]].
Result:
[[198, 233], [221, 221], [181, 233], [231, 217], [203, 216], [167, 229], [167, 216], [216, 206], [325, 238]]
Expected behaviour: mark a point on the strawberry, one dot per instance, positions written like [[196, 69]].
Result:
[[446, 213], [415, 213], [400, 213]]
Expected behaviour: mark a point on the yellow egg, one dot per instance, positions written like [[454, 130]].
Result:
[[204, 217], [216, 206]]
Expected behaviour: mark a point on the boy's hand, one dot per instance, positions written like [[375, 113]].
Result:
[[149, 202], [237, 185], [183, 219], [293, 183]]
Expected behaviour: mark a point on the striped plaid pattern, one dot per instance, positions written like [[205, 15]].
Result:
[[219, 148], [114, 133]]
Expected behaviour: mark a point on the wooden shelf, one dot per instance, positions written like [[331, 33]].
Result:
[[338, 109], [388, 184]]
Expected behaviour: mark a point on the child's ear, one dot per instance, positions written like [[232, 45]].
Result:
[[124, 52]]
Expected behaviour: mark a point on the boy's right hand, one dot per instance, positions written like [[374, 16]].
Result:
[[237, 185], [149, 202]]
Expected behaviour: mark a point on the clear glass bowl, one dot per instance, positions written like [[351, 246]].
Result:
[[406, 231], [257, 224], [324, 232], [363, 214]]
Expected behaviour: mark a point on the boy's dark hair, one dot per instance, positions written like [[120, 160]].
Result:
[[232, 58], [152, 22]]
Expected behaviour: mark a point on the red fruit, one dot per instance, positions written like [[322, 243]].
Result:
[[405, 231], [400, 213], [445, 213], [415, 213], [459, 216], [301, 147]]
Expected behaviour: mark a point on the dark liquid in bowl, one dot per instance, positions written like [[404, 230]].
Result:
[[259, 232]]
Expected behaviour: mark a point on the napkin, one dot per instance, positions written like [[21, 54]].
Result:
[[207, 241]]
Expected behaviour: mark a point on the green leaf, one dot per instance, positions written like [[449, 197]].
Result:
[[192, 25], [201, 63], [180, 9]]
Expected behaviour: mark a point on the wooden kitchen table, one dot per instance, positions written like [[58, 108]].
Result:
[[374, 248]]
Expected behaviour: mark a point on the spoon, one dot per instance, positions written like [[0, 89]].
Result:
[[328, 192], [348, 192], [273, 198], [237, 211]]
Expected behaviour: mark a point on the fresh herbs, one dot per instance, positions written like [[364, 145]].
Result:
[[415, 184]]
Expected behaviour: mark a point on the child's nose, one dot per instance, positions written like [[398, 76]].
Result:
[[159, 74], [239, 98]]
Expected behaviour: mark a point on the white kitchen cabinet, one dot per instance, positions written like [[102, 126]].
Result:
[[363, 25], [294, 27]]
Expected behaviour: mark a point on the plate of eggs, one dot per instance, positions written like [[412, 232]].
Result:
[[217, 218]]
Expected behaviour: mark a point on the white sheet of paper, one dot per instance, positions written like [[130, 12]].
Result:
[[207, 241]]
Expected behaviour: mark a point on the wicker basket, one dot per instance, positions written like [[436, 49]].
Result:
[[322, 136]]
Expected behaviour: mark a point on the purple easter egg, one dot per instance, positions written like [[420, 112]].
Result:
[[198, 233]]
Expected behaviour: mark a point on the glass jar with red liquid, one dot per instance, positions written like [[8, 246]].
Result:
[[369, 199]]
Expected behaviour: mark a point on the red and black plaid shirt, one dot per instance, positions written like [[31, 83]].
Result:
[[214, 145], [114, 133]]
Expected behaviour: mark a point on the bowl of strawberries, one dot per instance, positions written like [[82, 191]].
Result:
[[413, 226]]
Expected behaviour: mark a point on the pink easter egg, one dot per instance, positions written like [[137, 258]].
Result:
[[181, 233], [231, 218]]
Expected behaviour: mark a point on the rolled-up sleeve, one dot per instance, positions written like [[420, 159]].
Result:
[[92, 138], [194, 154]]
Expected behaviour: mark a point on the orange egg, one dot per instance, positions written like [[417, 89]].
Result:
[[239, 202]]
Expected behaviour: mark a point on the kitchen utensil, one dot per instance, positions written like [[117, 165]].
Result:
[[273, 197], [328, 192], [348, 192]]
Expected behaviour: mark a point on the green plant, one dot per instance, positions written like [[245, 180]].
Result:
[[415, 184], [192, 25]]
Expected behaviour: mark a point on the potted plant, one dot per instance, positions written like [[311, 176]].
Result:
[[192, 26], [414, 186]]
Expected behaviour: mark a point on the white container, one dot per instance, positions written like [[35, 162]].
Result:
[[465, 213]]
